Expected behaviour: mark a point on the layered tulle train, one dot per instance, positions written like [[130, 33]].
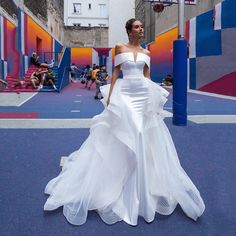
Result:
[[128, 166]]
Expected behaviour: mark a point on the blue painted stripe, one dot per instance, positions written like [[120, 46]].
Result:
[[1, 69], [192, 73], [228, 14], [208, 40]]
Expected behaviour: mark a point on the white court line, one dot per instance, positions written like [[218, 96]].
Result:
[[77, 101], [85, 123], [167, 113], [44, 123], [212, 94], [14, 99], [27, 99], [213, 119], [75, 111], [78, 95]]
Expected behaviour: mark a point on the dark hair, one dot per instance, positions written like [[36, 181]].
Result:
[[129, 24]]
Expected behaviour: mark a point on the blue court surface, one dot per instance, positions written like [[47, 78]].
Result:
[[31, 154]]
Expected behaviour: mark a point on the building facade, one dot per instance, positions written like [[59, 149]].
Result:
[[86, 13], [119, 12], [94, 17], [157, 23]]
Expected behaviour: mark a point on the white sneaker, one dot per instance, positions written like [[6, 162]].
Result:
[[54, 86], [40, 86]]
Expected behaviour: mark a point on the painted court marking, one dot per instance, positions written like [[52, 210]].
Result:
[[213, 119], [211, 94], [16, 100], [75, 111], [44, 123], [85, 123]]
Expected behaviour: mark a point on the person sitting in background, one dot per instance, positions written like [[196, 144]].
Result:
[[3, 84], [101, 80], [34, 60], [37, 79], [50, 78], [167, 81]]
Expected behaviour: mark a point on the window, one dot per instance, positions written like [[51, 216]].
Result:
[[102, 25], [78, 24], [90, 7], [77, 8], [102, 9], [89, 25]]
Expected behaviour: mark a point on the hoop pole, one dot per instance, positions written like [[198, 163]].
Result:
[[181, 20], [180, 72]]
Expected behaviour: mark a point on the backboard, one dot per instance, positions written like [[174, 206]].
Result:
[[169, 2]]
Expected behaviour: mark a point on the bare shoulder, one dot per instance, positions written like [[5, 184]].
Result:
[[119, 48], [147, 52]]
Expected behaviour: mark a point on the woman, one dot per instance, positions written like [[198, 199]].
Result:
[[34, 60], [128, 166]]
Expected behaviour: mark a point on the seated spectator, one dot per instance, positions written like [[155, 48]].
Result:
[[101, 80], [19, 83], [167, 81], [37, 79], [34, 60], [3, 84], [50, 78]]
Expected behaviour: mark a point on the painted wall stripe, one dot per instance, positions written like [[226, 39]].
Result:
[[218, 10], [192, 38], [26, 64], [5, 70]]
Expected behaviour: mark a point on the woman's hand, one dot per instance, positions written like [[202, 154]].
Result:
[[108, 101]]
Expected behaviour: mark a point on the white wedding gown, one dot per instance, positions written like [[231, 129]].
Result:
[[128, 166]]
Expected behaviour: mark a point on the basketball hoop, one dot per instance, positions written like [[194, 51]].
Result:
[[158, 7]]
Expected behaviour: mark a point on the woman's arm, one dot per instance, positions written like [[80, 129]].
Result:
[[146, 72], [113, 81], [115, 74]]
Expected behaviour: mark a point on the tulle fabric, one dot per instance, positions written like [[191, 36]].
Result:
[[128, 166]]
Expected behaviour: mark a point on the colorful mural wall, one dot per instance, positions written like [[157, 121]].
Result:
[[10, 58], [33, 38], [81, 56], [89, 56], [18, 43], [162, 55], [212, 64]]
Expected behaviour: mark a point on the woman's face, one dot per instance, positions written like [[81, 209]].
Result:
[[137, 30]]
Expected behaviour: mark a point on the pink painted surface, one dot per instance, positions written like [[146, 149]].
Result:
[[19, 115], [225, 85]]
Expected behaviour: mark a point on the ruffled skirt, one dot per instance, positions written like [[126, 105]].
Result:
[[128, 165]]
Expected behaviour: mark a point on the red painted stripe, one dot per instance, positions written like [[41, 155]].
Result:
[[187, 31], [19, 115], [225, 85]]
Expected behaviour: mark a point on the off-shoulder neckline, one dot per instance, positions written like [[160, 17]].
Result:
[[132, 53]]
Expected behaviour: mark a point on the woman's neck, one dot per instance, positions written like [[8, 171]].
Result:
[[135, 43]]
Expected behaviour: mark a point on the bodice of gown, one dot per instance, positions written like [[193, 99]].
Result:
[[129, 66]]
